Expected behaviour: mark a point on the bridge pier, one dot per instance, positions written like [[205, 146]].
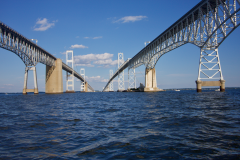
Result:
[[151, 81], [35, 90], [210, 68], [54, 79], [85, 87], [220, 83]]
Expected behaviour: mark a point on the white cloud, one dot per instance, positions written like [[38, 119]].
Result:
[[78, 46], [63, 52], [96, 79], [180, 75], [8, 84], [97, 37], [127, 19], [104, 60], [43, 24], [93, 37]]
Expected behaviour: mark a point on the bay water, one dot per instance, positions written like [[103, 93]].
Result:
[[121, 125]]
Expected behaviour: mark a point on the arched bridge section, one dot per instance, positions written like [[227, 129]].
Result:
[[29, 52], [206, 25]]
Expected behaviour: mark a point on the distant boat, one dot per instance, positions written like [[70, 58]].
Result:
[[217, 89], [177, 90], [6, 94]]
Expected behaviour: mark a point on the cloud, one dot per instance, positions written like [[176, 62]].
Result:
[[97, 37], [127, 19], [63, 52], [106, 62], [103, 60], [93, 37], [8, 84], [78, 46], [96, 79], [43, 24], [180, 75]]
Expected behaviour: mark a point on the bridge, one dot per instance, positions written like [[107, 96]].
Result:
[[31, 54], [206, 25]]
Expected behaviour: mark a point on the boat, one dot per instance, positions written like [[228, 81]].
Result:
[[177, 90], [217, 89]]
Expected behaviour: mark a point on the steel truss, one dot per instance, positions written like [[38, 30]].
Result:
[[29, 52], [82, 73], [131, 78], [24, 48], [207, 25], [209, 65], [111, 83], [121, 74], [70, 77]]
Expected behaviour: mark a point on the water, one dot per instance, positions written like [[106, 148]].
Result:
[[163, 125]]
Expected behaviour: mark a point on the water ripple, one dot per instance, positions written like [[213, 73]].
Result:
[[163, 125]]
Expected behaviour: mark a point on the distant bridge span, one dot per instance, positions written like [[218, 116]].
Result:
[[31, 54], [206, 25]]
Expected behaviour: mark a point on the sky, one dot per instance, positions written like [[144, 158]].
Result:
[[96, 31]]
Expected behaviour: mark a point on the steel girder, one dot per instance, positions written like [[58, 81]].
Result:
[[24, 48], [206, 25]]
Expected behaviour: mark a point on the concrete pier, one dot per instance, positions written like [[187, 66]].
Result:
[[35, 90], [86, 87], [151, 81], [54, 79], [220, 83]]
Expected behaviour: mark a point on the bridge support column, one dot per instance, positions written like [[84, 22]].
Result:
[[201, 84], [54, 81], [151, 81], [35, 90], [86, 87], [210, 68]]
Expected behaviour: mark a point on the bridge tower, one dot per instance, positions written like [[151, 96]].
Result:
[[131, 78], [70, 77], [35, 90], [120, 75], [111, 84], [84, 84], [210, 69]]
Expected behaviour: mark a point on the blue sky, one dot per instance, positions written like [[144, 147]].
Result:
[[97, 30]]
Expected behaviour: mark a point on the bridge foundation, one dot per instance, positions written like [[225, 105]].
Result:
[[35, 90], [151, 81], [220, 83], [54, 80]]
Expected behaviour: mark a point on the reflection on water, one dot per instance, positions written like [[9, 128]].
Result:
[[163, 125]]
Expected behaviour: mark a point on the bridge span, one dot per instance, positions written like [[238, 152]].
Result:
[[206, 25], [31, 54]]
